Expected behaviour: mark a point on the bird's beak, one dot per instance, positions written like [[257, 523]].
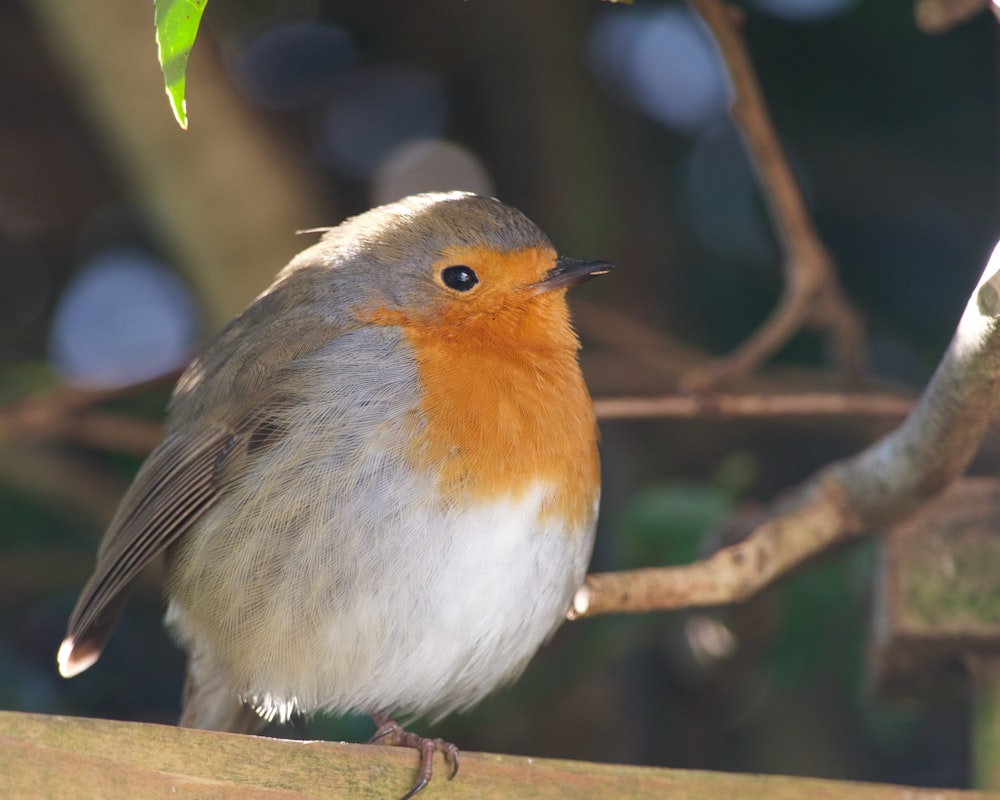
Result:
[[572, 271]]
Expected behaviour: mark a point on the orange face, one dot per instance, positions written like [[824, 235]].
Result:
[[504, 403]]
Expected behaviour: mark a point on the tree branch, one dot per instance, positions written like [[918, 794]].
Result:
[[728, 406], [812, 295], [67, 414], [940, 16], [883, 484]]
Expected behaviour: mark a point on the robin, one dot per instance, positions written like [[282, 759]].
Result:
[[378, 486]]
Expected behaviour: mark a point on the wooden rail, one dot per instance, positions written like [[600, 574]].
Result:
[[53, 757]]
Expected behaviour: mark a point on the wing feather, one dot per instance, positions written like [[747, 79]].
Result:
[[243, 369], [175, 486]]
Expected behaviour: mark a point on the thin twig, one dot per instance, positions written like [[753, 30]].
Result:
[[725, 406], [812, 295], [67, 414], [940, 16], [883, 484]]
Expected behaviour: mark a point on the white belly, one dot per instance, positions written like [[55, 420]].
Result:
[[427, 618]]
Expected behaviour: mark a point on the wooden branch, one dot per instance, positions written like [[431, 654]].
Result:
[[51, 756], [883, 484], [67, 414], [728, 406], [940, 16], [105, 431], [812, 294]]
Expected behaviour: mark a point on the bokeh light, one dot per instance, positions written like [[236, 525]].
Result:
[[372, 110], [803, 10], [124, 318], [291, 66], [664, 63], [427, 165]]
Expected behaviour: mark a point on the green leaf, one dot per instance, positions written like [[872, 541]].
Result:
[[177, 24]]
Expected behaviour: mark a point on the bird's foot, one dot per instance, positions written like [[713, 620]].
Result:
[[392, 733]]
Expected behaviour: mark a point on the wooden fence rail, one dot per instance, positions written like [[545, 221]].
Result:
[[56, 758]]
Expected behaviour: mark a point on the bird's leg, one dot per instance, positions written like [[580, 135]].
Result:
[[392, 733]]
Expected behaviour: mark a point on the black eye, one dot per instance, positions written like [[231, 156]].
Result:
[[460, 278]]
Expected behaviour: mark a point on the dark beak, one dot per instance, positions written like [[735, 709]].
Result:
[[572, 271]]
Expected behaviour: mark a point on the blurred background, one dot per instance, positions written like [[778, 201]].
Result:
[[124, 242]]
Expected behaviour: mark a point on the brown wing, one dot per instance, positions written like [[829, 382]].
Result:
[[176, 485], [242, 369]]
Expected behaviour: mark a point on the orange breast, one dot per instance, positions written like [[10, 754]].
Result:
[[505, 405]]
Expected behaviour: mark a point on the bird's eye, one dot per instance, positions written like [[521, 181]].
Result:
[[460, 278]]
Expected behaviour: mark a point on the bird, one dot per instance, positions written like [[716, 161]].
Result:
[[378, 486]]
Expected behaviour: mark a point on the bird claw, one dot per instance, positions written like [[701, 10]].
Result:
[[392, 733]]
